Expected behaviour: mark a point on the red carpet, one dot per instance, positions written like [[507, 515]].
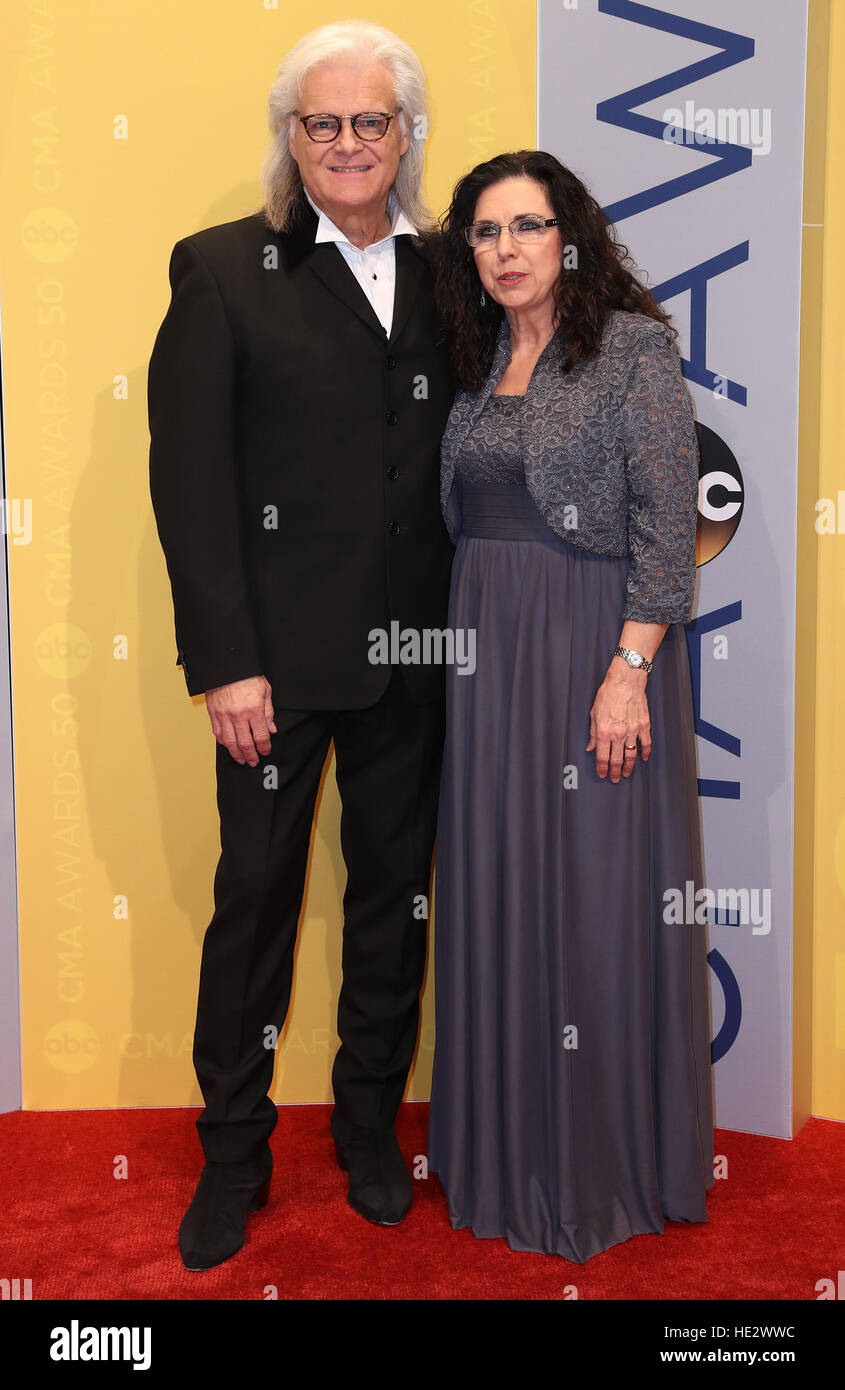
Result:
[[777, 1221]]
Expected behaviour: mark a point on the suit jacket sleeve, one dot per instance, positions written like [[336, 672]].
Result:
[[193, 479], [661, 451]]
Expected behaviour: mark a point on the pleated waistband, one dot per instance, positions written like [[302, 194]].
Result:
[[502, 511]]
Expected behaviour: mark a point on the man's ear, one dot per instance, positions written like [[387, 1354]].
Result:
[[405, 133], [291, 125]]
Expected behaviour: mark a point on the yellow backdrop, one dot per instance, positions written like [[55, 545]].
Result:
[[825, 833], [129, 126]]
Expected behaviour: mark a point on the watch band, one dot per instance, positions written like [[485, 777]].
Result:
[[635, 660]]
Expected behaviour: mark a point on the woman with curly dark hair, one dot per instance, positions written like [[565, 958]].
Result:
[[571, 1096]]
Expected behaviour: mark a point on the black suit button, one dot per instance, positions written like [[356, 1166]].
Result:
[[390, 363], [392, 418], [393, 471], [393, 528]]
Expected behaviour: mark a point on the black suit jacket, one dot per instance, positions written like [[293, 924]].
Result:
[[294, 463]]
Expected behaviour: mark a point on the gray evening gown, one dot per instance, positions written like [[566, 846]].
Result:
[[571, 1098]]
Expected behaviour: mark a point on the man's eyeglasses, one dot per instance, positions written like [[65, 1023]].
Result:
[[368, 125], [525, 229]]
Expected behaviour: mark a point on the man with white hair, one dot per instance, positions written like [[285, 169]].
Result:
[[298, 391]]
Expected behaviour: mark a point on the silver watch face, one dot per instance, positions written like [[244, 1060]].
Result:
[[634, 659]]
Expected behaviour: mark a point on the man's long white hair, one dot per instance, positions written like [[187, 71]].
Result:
[[356, 41]]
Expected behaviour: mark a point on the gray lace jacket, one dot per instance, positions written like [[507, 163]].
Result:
[[615, 439]]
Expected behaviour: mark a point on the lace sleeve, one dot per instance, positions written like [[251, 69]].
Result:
[[661, 462]]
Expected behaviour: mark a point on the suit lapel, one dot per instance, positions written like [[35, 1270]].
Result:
[[327, 263], [410, 273]]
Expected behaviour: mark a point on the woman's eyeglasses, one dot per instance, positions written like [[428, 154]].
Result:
[[524, 229]]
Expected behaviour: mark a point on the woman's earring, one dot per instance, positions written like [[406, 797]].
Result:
[[483, 299]]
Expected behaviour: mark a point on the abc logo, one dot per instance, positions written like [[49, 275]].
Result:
[[721, 495], [71, 1046], [62, 650], [49, 234]]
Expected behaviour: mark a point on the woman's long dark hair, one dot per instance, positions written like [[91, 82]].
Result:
[[583, 296]]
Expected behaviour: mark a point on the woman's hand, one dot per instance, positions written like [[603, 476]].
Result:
[[619, 716]]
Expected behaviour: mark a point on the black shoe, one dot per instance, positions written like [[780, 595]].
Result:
[[213, 1227], [380, 1186]]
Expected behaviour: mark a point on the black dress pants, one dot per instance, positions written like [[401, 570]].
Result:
[[387, 761]]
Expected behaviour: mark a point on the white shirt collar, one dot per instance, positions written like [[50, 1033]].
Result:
[[327, 231]]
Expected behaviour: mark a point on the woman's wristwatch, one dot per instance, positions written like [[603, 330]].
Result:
[[634, 659]]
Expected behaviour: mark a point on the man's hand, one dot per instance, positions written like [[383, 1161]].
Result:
[[241, 717]]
